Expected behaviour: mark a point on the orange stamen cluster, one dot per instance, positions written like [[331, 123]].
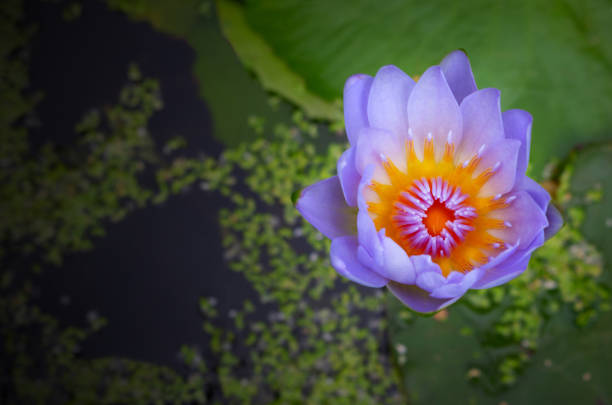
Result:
[[468, 242]]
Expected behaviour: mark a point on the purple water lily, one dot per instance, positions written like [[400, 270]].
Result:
[[431, 199]]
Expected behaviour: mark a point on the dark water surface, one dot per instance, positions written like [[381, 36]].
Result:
[[147, 274], [83, 64]]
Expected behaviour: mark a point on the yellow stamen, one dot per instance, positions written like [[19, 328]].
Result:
[[477, 244]]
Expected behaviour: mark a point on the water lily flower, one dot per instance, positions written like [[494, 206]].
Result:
[[431, 198]]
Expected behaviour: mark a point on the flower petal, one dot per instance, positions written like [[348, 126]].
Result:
[[392, 263], [348, 176], [322, 204], [491, 269], [432, 109], [365, 193], [377, 251], [374, 147], [388, 98], [458, 73], [523, 220], [417, 299], [423, 264], [356, 92], [504, 274], [500, 258], [555, 221], [430, 280], [517, 125], [459, 287], [343, 255], [368, 236], [508, 265], [535, 190], [542, 198], [482, 122], [454, 277], [500, 156], [397, 265]]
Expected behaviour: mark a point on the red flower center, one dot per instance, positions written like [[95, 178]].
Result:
[[433, 206], [436, 217]]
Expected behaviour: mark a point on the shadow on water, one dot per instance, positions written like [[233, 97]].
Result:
[[147, 274], [82, 64]]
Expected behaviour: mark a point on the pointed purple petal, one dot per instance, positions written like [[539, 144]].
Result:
[[356, 91], [458, 72], [393, 263], [555, 221], [500, 258], [349, 177], [417, 299], [502, 154], [322, 204], [535, 190], [430, 280], [523, 219], [364, 190], [504, 274], [482, 122], [542, 198], [517, 125], [508, 265], [423, 264], [454, 277], [397, 265], [343, 255], [368, 237], [374, 147], [458, 288], [388, 98], [432, 109]]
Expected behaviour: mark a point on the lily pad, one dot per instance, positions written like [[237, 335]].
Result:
[[590, 188], [442, 360], [572, 366], [552, 58], [271, 71], [433, 368]]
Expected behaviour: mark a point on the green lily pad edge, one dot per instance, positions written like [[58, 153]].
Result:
[[273, 74]]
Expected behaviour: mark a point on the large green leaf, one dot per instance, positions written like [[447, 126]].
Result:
[[272, 72], [552, 58], [571, 365], [590, 187]]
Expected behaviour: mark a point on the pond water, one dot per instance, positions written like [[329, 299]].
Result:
[[148, 272]]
